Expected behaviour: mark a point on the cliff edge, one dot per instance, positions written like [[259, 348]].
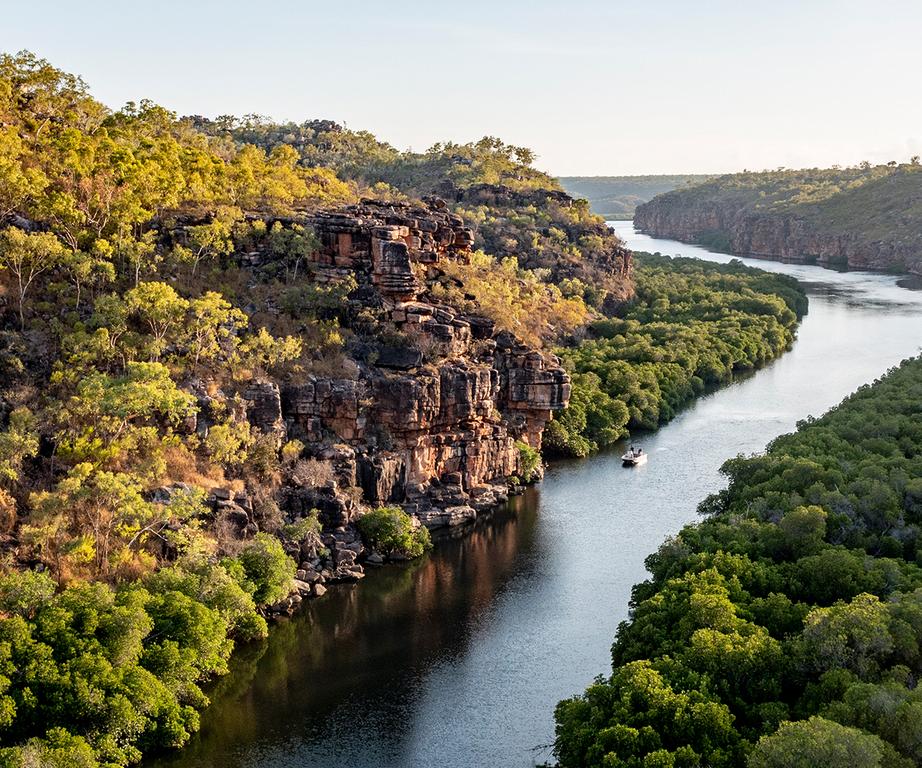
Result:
[[862, 218], [432, 408]]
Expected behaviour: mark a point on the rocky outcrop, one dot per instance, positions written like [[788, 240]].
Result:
[[739, 230], [431, 417], [264, 408]]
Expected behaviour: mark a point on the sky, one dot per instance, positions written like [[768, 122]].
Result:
[[594, 87]]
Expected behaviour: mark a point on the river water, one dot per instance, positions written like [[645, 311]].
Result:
[[459, 659]]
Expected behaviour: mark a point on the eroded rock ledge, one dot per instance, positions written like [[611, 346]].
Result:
[[428, 418]]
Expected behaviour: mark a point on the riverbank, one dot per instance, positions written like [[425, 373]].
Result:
[[863, 217], [797, 599], [691, 328], [522, 614]]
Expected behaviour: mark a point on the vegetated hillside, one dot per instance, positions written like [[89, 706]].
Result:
[[784, 629], [616, 197], [232, 371], [513, 209], [862, 217], [691, 325]]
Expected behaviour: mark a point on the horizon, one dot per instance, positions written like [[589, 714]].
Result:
[[385, 448], [588, 98]]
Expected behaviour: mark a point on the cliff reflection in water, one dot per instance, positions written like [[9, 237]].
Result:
[[361, 650], [458, 660]]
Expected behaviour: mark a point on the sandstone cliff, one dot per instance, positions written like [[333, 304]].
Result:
[[430, 409], [735, 227]]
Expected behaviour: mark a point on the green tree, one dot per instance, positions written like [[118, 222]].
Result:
[[22, 593], [111, 417], [392, 532], [217, 587], [83, 268], [88, 518], [18, 443], [637, 718], [816, 742], [138, 253], [853, 636], [19, 183], [211, 329], [292, 245], [26, 255], [159, 308], [267, 568], [58, 749], [214, 239], [262, 352], [804, 530], [228, 443]]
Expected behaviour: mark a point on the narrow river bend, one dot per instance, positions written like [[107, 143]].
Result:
[[457, 661]]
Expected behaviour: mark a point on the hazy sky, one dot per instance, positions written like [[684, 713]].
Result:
[[647, 86]]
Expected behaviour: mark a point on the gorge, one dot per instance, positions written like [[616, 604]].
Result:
[[459, 660], [861, 218], [242, 361], [433, 414]]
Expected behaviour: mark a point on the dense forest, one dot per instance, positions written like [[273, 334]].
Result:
[[690, 326], [616, 197], [159, 275], [866, 216], [783, 630], [141, 507]]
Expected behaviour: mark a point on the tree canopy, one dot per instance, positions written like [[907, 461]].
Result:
[[791, 614]]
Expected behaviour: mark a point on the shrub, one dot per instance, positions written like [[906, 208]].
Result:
[[262, 456], [23, 592], [268, 569], [391, 531], [216, 586], [312, 473], [302, 528], [228, 444], [818, 741], [264, 353], [59, 749], [515, 298], [529, 462], [291, 451]]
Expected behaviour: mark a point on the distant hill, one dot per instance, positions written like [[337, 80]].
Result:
[[865, 217], [616, 197]]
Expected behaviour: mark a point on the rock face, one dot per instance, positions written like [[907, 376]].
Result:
[[770, 235], [264, 407], [432, 417]]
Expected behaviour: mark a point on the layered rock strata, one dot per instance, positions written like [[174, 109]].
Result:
[[741, 231], [432, 418]]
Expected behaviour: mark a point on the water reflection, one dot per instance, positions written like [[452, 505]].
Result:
[[458, 660], [854, 288], [361, 654]]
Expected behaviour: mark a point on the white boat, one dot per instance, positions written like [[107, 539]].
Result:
[[634, 457]]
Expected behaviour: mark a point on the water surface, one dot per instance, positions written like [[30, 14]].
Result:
[[458, 660]]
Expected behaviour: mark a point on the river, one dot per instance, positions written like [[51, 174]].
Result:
[[458, 660]]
